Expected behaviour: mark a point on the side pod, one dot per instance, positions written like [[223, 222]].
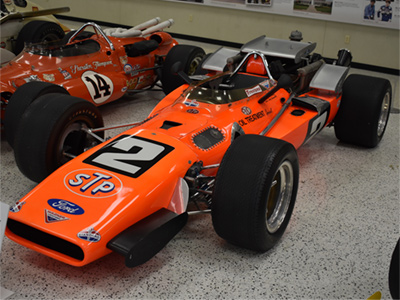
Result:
[[143, 240]]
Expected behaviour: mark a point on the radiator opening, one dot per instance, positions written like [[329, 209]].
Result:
[[45, 240]]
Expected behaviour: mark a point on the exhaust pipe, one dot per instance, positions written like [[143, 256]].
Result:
[[131, 32], [158, 27], [147, 24]]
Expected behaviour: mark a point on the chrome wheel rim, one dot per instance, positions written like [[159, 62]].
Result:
[[67, 147], [194, 64], [279, 197], [384, 115]]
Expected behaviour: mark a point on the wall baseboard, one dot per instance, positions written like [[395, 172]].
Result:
[[229, 44]]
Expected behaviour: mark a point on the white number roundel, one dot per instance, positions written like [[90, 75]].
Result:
[[99, 86]]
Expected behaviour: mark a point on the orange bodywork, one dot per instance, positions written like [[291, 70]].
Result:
[[107, 189]]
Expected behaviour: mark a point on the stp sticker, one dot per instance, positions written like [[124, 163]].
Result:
[[92, 183], [99, 86]]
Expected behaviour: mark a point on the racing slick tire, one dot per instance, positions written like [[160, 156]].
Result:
[[189, 57], [36, 32], [19, 102], [255, 192], [364, 110], [51, 128]]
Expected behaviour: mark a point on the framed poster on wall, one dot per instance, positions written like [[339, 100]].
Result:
[[380, 13]]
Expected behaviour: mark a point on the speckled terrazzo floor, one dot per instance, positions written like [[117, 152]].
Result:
[[337, 246]]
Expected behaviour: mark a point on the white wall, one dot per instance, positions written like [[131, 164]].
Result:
[[369, 45]]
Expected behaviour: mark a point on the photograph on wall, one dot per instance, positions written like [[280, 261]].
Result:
[[313, 6], [259, 2], [380, 11], [195, 1], [231, 1]]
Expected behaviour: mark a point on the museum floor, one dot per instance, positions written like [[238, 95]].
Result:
[[338, 243]]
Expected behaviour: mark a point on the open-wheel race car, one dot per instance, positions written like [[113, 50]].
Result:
[[96, 65], [224, 142]]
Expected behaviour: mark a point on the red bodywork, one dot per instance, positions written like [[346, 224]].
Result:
[[95, 69]]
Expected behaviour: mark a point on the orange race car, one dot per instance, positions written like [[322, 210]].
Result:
[[225, 142], [97, 65]]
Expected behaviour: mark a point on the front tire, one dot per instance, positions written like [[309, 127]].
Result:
[[51, 132], [189, 56], [19, 102], [364, 110], [255, 192]]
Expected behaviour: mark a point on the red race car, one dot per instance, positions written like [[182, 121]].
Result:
[[225, 142], [99, 66]]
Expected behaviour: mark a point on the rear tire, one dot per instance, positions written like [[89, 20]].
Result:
[[255, 192], [364, 110], [189, 56], [19, 102], [51, 127], [37, 32]]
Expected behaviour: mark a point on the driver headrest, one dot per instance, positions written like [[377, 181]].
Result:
[[256, 66]]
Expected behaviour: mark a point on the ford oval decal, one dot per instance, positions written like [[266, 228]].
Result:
[[66, 207]]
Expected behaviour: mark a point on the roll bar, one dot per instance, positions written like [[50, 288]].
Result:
[[96, 27]]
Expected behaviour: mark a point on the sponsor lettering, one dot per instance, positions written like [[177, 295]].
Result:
[[129, 69], [123, 59], [252, 118], [92, 66], [255, 90], [93, 184], [49, 77], [89, 235], [193, 103], [246, 110], [132, 83], [192, 111], [66, 206], [98, 64], [76, 68], [52, 217], [268, 83], [65, 73], [17, 207]]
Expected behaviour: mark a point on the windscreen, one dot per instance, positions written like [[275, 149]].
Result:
[[56, 49], [225, 89]]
